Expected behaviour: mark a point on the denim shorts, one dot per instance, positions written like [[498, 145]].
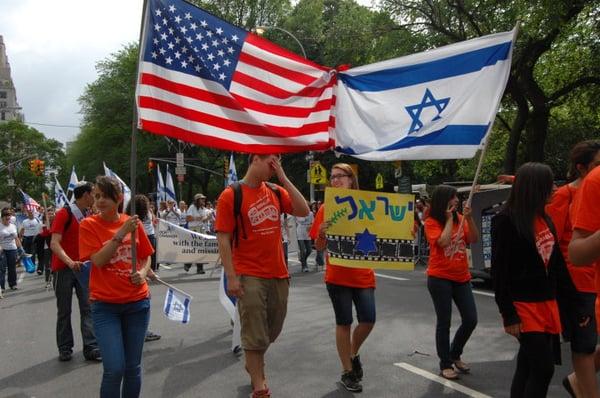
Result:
[[342, 298], [579, 327]]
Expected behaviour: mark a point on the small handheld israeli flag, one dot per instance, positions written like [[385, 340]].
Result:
[[177, 305]]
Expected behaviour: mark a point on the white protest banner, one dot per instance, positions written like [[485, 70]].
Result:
[[175, 244]]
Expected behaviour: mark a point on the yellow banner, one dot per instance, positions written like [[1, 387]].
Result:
[[369, 229]]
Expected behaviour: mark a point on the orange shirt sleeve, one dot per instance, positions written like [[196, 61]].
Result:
[[433, 231], [225, 221], [89, 241], [558, 209], [587, 214], [314, 229]]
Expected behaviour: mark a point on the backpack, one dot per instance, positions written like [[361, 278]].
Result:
[[237, 207], [68, 223]]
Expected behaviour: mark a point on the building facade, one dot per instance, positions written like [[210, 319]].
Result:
[[9, 107]]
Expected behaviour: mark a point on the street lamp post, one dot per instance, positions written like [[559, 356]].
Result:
[[260, 30]]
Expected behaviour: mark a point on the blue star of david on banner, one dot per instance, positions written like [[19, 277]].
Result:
[[366, 242], [428, 101]]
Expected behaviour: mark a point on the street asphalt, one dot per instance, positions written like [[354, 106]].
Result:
[[195, 360]]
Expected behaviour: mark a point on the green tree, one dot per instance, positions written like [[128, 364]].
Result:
[[18, 141]]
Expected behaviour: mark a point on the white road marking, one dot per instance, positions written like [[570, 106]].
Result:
[[438, 379], [391, 277], [483, 293]]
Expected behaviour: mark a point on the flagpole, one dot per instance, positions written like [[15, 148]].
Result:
[[172, 287], [134, 129]]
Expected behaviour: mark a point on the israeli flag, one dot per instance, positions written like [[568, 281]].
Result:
[[439, 104], [169, 187], [60, 198], [126, 190], [160, 185], [72, 181], [231, 174], [229, 303], [177, 305]]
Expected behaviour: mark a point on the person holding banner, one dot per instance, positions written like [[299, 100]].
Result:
[[448, 276], [530, 275], [120, 297], [346, 286], [580, 325], [252, 254]]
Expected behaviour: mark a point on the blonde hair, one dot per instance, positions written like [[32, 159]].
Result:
[[346, 168]]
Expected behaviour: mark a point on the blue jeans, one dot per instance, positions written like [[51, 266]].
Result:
[[443, 292], [120, 331], [8, 262], [305, 247]]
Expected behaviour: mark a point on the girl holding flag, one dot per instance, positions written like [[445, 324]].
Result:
[[120, 298], [448, 276]]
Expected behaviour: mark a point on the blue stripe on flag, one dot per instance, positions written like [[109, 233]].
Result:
[[450, 135], [169, 302], [186, 311], [410, 75]]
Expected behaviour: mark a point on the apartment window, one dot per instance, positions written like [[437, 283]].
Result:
[[3, 104], [2, 94], [2, 116]]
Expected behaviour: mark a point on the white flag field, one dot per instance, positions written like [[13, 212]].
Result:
[[175, 244], [438, 104]]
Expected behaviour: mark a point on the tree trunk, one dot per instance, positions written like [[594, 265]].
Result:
[[539, 130]]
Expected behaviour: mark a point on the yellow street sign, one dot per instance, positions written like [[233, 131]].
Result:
[[318, 173], [379, 181]]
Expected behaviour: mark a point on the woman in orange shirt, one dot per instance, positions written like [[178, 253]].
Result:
[[580, 325], [120, 299], [345, 286], [529, 275], [448, 276]]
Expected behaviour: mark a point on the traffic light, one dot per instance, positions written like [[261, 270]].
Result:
[[32, 165], [37, 166], [41, 167], [151, 166]]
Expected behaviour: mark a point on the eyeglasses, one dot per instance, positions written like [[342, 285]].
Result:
[[338, 176]]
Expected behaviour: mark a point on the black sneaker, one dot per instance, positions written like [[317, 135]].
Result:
[[350, 382], [187, 267], [357, 367], [65, 356], [152, 336], [93, 355]]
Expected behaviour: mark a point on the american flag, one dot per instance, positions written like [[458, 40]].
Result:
[[205, 81], [29, 203]]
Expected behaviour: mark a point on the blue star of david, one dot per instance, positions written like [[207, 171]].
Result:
[[366, 242], [428, 101]]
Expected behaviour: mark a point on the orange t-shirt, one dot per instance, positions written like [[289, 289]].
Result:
[[111, 283], [261, 254], [336, 274], [542, 316], [560, 209], [448, 262]]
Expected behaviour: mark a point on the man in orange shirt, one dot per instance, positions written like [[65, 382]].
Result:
[[252, 256]]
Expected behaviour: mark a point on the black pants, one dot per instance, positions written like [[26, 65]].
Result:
[[38, 247], [535, 366], [443, 292], [64, 283], [152, 239]]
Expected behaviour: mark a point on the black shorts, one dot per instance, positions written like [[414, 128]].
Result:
[[579, 325]]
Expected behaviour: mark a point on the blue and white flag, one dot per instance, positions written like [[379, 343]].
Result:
[[126, 190], [169, 187], [72, 181], [438, 104], [231, 174], [230, 305], [60, 198], [160, 185], [177, 305]]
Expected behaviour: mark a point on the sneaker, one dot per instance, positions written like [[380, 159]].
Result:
[[65, 356], [93, 355], [350, 382], [261, 393], [187, 267], [14, 288], [152, 336], [304, 269], [357, 367]]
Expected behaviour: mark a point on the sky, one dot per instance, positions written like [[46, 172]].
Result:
[[53, 47]]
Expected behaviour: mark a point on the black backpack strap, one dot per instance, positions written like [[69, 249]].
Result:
[[70, 219], [237, 209]]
